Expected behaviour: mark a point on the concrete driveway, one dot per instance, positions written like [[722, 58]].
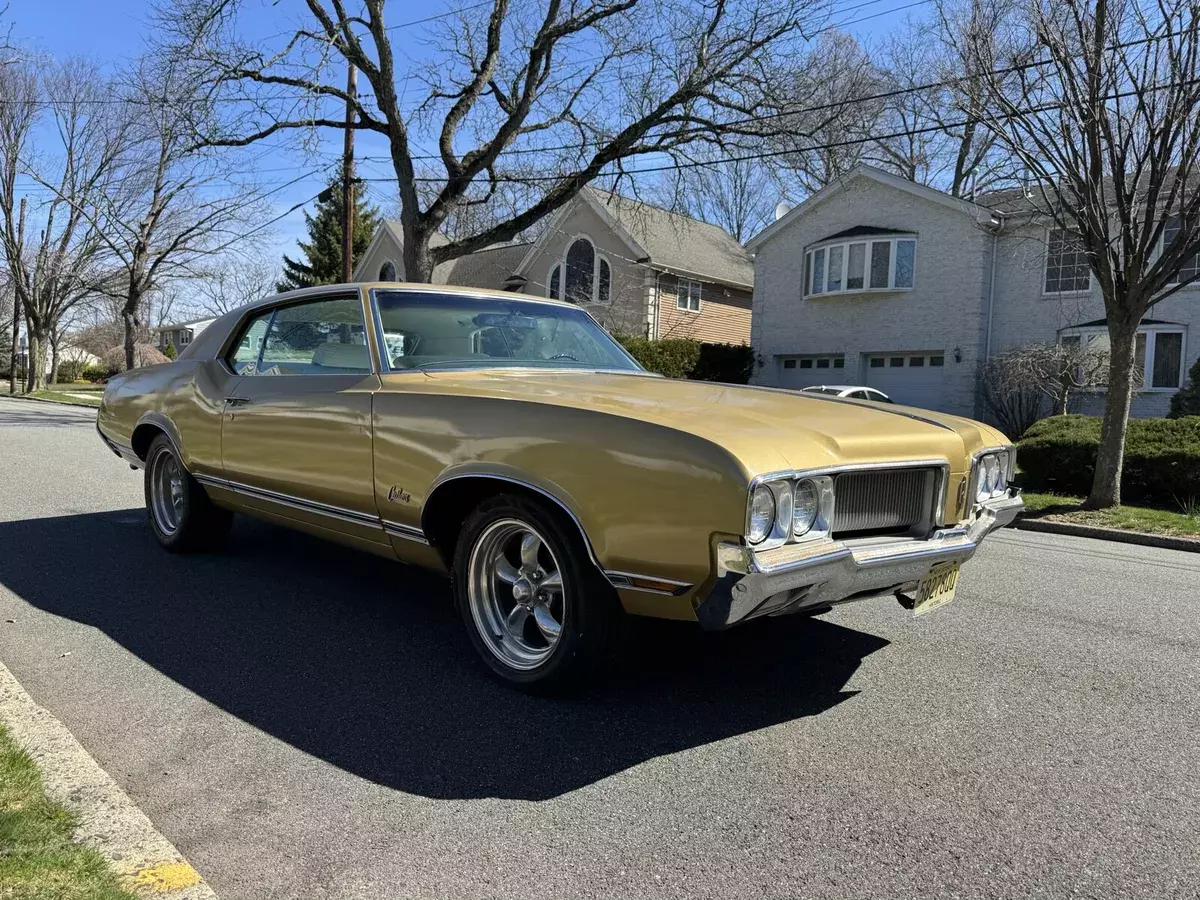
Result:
[[303, 721]]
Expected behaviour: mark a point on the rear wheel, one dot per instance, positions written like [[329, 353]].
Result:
[[181, 515], [537, 611]]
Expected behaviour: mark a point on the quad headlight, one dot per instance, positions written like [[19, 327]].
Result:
[[762, 514], [806, 505], [992, 474]]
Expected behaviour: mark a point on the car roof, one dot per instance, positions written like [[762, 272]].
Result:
[[300, 293], [839, 387]]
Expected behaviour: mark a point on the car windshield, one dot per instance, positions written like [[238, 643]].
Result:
[[423, 330]]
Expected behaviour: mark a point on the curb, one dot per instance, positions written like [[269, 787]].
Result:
[[47, 400], [146, 862], [1188, 545]]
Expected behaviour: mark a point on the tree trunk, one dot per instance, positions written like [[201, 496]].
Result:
[[53, 360], [36, 366], [129, 317], [16, 331], [1110, 455], [418, 264]]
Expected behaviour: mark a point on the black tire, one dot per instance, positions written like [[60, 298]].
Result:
[[588, 605], [194, 522]]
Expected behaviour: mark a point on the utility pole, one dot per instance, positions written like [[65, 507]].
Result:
[[12, 372], [348, 176]]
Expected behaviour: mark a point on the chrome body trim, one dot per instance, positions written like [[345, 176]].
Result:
[[407, 532], [625, 581], [525, 484], [797, 577], [310, 506]]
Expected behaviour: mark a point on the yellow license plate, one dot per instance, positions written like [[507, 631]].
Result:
[[936, 588]]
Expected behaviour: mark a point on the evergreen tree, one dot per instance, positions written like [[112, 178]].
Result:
[[1187, 401], [170, 352], [322, 262]]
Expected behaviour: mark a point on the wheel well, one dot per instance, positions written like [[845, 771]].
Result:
[[450, 504], [143, 436]]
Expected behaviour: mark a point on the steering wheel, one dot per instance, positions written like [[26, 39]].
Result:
[[564, 356]]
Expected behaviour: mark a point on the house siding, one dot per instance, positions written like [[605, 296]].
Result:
[[1025, 314], [724, 315], [944, 311]]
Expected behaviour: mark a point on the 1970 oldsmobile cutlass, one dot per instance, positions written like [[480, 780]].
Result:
[[510, 441]]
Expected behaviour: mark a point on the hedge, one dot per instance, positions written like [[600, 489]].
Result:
[[682, 358], [1162, 458]]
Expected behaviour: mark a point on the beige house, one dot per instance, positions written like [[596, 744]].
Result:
[[638, 268]]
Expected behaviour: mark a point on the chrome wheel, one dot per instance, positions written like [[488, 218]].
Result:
[[515, 592], [166, 491]]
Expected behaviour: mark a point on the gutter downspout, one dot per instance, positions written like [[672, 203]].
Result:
[[987, 343]]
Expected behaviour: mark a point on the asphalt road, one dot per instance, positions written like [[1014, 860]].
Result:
[[303, 721]]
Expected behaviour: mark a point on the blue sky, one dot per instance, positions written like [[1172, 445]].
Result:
[[112, 32]]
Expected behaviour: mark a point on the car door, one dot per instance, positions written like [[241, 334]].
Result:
[[296, 430]]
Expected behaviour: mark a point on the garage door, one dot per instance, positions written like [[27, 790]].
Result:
[[798, 372], [914, 378]]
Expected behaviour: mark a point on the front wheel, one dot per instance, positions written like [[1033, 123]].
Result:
[[537, 611]]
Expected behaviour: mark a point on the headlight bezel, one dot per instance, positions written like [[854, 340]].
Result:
[[992, 471], [783, 492]]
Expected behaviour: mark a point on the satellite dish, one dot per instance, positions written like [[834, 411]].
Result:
[[782, 210]]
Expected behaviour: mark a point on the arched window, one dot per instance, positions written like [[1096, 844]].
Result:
[[556, 282], [604, 286], [387, 272], [581, 271]]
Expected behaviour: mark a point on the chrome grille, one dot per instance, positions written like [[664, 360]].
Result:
[[884, 499]]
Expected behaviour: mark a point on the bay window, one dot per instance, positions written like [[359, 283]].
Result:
[[1158, 354], [856, 266]]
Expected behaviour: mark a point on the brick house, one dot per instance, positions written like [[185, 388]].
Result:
[[879, 281], [638, 268]]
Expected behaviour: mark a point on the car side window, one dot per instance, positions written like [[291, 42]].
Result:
[[245, 353], [860, 395], [322, 337]]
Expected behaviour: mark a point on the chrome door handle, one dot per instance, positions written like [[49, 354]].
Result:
[[237, 401]]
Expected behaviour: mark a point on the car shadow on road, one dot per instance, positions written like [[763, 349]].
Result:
[[361, 661]]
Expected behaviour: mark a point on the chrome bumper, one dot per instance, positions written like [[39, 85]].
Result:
[[799, 577]]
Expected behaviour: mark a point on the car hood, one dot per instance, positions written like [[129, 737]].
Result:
[[767, 429]]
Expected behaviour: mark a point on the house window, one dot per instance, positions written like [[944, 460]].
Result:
[[876, 264], [1158, 354], [876, 362], [185, 337], [789, 364], [1190, 269], [555, 287], [806, 363], [896, 362], [915, 362], [688, 295], [937, 360], [387, 272], [586, 276], [1067, 268], [822, 364]]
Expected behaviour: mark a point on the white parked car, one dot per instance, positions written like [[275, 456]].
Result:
[[854, 392]]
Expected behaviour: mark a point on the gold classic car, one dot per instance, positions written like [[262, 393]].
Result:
[[511, 442]]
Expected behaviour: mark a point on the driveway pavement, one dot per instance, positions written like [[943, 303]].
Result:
[[303, 721]]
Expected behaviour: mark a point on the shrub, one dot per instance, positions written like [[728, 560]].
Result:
[[70, 370], [1187, 401], [1162, 457], [673, 358], [729, 363], [683, 358], [96, 374], [170, 352], [143, 355]]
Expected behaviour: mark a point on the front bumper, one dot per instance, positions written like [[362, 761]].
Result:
[[798, 577]]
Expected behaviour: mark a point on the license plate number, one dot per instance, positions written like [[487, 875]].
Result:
[[936, 588]]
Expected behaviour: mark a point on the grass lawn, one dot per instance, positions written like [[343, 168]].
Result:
[[1057, 508], [38, 861], [59, 392]]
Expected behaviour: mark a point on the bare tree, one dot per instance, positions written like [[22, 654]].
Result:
[[1016, 387], [175, 205], [739, 196], [1108, 126], [53, 250], [539, 93], [234, 280]]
